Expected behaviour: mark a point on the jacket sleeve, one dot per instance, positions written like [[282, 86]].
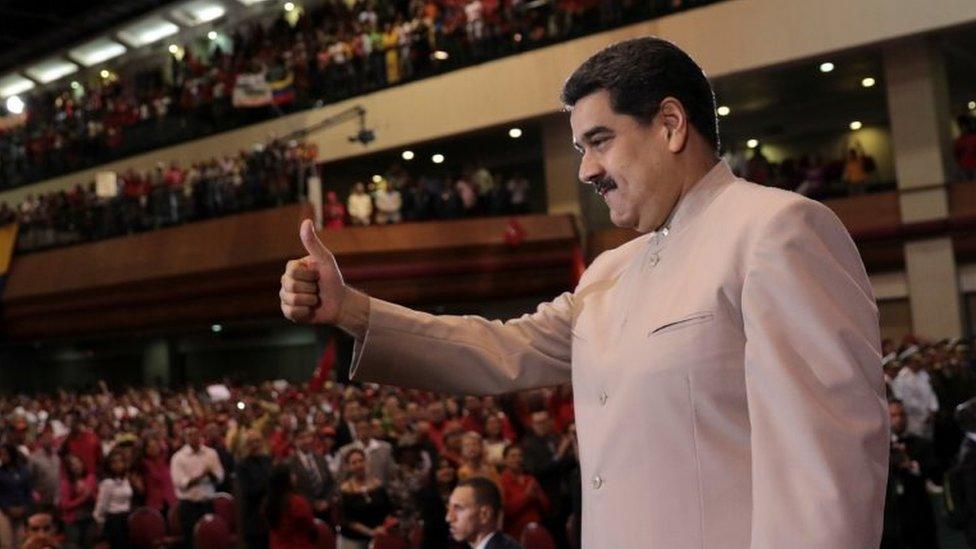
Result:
[[814, 384], [465, 354]]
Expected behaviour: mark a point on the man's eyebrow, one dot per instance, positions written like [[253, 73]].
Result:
[[589, 135]]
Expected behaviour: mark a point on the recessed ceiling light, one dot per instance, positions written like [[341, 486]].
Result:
[[377, 178], [289, 6], [104, 73], [724, 111], [826, 67], [174, 49], [212, 35], [437, 158], [515, 133], [972, 105], [15, 104], [407, 155], [867, 82], [856, 125], [752, 143], [216, 328], [440, 55]]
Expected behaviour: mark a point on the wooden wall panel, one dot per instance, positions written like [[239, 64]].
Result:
[[228, 269]]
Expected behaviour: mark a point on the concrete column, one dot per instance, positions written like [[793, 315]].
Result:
[[156, 359], [561, 165], [918, 108]]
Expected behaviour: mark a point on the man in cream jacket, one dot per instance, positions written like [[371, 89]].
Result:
[[725, 364]]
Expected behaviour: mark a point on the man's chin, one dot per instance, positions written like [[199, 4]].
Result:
[[623, 222]]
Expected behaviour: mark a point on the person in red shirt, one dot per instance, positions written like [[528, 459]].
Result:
[[160, 494], [288, 513], [523, 499], [82, 442], [964, 149]]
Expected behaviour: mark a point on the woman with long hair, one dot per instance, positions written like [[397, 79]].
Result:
[[288, 513], [432, 500], [77, 502], [114, 501], [364, 507], [157, 479]]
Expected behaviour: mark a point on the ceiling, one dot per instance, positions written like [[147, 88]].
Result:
[[31, 29]]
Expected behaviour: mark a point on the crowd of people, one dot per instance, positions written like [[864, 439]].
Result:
[[374, 460], [368, 460], [847, 174], [301, 59], [929, 387], [398, 196], [271, 175]]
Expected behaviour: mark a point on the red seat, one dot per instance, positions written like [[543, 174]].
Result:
[[326, 537], [212, 532], [535, 536], [223, 504], [417, 535], [387, 541], [146, 527], [173, 521]]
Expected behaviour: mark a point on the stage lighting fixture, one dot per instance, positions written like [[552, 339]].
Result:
[[437, 158], [515, 133], [856, 125], [826, 67], [407, 155], [868, 82], [724, 111]]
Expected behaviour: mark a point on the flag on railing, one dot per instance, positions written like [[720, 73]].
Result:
[[282, 88], [251, 89]]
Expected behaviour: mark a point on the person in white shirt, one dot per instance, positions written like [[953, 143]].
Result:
[[388, 203], [913, 387], [196, 471], [359, 206], [378, 453], [114, 502], [473, 515]]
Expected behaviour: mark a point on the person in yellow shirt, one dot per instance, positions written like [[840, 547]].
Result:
[[391, 41]]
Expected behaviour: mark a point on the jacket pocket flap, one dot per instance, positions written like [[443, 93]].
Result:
[[681, 322]]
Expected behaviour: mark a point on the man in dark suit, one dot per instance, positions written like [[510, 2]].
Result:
[[909, 519], [548, 457], [473, 512], [313, 478]]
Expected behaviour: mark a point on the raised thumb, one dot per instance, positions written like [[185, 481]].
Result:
[[312, 244]]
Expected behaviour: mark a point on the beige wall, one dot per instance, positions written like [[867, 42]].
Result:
[[896, 319], [725, 38]]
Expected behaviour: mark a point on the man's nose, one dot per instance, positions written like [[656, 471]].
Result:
[[589, 170]]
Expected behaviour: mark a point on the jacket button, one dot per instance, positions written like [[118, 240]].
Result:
[[603, 398], [597, 482]]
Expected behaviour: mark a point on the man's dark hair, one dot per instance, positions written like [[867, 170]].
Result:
[[485, 493], [639, 74]]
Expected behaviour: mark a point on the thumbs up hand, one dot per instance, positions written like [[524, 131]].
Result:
[[312, 289]]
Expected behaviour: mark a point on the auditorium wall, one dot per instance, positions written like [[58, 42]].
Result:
[[726, 38]]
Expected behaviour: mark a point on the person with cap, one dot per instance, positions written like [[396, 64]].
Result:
[[473, 514], [913, 387], [739, 332]]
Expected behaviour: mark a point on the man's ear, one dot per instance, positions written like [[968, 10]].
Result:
[[484, 513], [674, 121]]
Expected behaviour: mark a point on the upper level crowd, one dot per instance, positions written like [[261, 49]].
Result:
[[301, 59]]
